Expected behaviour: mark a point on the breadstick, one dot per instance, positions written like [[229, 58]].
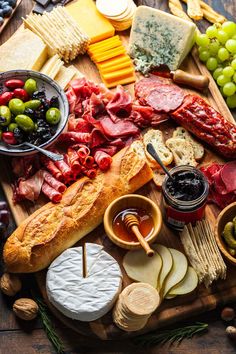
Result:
[[194, 10], [175, 10], [209, 13]]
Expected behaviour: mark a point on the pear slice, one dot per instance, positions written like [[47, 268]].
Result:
[[167, 263], [178, 271], [187, 285], [169, 297], [140, 267]]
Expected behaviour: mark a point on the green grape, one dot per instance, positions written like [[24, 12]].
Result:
[[201, 49], [231, 45], [211, 64], [229, 89], [222, 80], [202, 40], [214, 46], [233, 63], [217, 73], [204, 56], [221, 90], [229, 27], [211, 32], [231, 101], [234, 78], [234, 36], [222, 36], [228, 71], [223, 54]]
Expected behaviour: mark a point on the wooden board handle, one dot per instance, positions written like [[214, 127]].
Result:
[[199, 82]]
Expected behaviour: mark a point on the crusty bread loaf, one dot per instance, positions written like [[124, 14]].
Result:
[[55, 227]]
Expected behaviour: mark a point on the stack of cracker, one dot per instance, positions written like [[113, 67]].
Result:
[[60, 32], [135, 305]]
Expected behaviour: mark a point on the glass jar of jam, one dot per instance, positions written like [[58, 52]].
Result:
[[184, 196]]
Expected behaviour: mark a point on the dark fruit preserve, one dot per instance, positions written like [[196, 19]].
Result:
[[146, 224]]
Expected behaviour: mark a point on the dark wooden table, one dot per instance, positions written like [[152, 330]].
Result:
[[19, 337]]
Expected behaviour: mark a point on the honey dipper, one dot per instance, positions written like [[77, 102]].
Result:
[[132, 223]]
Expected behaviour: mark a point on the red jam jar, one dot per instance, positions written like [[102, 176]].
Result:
[[184, 197]]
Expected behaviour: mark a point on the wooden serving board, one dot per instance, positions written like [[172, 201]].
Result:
[[7, 19], [170, 311]]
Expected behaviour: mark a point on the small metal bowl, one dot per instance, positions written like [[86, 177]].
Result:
[[52, 89], [129, 201], [226, 215]]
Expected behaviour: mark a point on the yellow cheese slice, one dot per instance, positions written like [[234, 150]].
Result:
[[96, 26], [104, 42], [121, 81], [119, 74], [49, 64], [55, 69], [109, 54], [124, 65], [65, 75], [24, 50], [102, 49], [123, 58]]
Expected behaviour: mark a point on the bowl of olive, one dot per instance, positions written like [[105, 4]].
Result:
[[225, 232], [33, 108]]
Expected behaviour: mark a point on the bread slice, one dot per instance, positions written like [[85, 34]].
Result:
[[182, 151], [182, 133], [158, 177], [155, 137], [138, 147]]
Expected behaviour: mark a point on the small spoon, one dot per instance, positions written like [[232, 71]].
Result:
[[154, 154], [50, 154]]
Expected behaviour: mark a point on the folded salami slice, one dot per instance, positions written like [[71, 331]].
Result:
[[103, 160], [51, 193], [53, 182]]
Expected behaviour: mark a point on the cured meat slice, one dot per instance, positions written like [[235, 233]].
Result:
[[73, 160], [79, 125], [228, 175], [30, 188], [76, 137], [65, 169], [103, 160], [83, 151], [165, 98], [121, 104], [144, 86], [52, 168], [51, 193], [118, 129], [220, 187], [53, 182], [97, 138]]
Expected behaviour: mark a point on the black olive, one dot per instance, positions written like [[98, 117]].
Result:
[[29, 112], [54, 102], [39, 95], [18, 134], [45, 103], [7, 10]]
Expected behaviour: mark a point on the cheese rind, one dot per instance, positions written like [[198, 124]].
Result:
[[159, 38], [89, 298], [24, 50]]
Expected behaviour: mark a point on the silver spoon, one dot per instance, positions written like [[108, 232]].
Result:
[[50, 154], [154, 154]]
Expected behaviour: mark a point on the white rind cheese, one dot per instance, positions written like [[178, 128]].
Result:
[[84, 299], [159, 38]]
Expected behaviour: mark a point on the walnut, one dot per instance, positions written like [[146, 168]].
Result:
[[10, 284], [26, 309]]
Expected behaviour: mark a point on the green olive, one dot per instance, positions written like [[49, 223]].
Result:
[[30, 86], [228, 234], [5, 116], [16, 106], [25, 122], [12, 127], [53, 116], [33, 104]]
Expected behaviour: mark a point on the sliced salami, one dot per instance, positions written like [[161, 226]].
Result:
[[165, 98], [103, 160], [51, 193], [53, 182]]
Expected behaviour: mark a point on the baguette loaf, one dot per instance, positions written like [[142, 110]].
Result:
[[55, 227]]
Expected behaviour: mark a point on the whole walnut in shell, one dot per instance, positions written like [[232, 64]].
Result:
[[26, 309], [10, 284]]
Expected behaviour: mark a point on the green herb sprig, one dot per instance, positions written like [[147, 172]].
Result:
[[170, 336]]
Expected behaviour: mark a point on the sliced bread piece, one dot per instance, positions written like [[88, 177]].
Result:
[[155, 137], [182, 151], [158, 177], [138, 147], [182, 133]]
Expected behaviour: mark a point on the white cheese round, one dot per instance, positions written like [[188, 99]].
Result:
[[84, 299]]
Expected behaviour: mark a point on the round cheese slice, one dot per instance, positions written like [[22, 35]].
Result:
[[112, 7], [84, 299]]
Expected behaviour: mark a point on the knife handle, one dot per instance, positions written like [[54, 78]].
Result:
[[199, 82]]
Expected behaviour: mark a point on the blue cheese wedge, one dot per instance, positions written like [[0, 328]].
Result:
[[89, 298], [159, 38]]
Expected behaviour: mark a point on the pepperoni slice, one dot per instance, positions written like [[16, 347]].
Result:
[[165, 98]]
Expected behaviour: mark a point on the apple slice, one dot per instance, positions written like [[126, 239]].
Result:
[[177, 273], [140, 267], [167, 263], [187, 285]]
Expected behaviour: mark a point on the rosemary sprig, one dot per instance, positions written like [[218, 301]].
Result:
[[48, 325], [171, 336]]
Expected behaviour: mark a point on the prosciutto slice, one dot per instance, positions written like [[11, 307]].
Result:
[[31, 187], [121, 104], [76, 137], [52, 168], [51, 193], [228, 175], [53, 182], [103, 160], [118, 129]]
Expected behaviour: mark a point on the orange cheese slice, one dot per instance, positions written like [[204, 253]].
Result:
[[101, 50], [104, 42], [89, 19], [119, 74], [123, 58], [108, 54], [124, 65], [121, 81]]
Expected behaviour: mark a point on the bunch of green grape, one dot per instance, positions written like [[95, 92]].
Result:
[[217, 48]]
